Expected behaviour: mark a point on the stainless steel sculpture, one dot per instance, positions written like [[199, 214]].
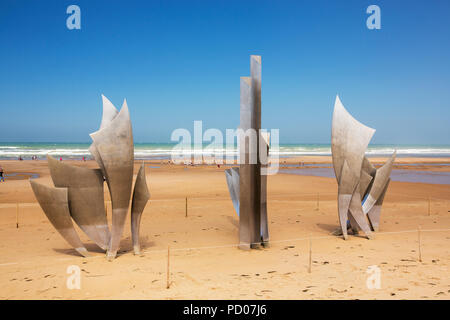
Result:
[[54, 202], [247, 187], [140, 198], [79, 191], [358, 180]]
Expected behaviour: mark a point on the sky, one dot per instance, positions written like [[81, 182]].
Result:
[[180, 61]]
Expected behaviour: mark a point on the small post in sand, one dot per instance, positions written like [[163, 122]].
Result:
[[429, 206], [168, 267], [310, 254], [186, 208], [17, 215], [420, 249]]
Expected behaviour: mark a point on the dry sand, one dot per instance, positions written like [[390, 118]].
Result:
[[205, 262]]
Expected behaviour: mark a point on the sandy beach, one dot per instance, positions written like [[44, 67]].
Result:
[[205, 262]]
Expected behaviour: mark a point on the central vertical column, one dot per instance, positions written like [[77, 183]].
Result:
[[250, 188], [255, 74]]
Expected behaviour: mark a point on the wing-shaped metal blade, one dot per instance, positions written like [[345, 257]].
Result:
[[86, 199], [54, 203], [114, 143], [379, 183], [232, 176], [141, 194]]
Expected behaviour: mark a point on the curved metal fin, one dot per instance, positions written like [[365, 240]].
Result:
[[374, 214], [379, 183], [349, 140], [85, 198], [346, 189], [368, 167], [364, 183], [109, 113], [359, 217], [54, 203], [232, 176], [114, 144], [141, 195]]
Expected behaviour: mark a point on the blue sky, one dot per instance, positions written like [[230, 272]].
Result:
[[180, 61]]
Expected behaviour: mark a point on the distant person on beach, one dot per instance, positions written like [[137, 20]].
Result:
[[84, 159], [60, 158], [2, 178], [20, 158]]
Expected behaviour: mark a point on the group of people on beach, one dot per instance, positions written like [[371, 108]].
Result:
[[32, 158], [36, 158]]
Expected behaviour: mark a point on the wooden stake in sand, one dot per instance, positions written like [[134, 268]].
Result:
[[420, 249], [17, 215], [310, 254], [429, 206], [186, 208], [168, 267]]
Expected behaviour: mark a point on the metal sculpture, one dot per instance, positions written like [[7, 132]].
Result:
[[79, 191], [358, 180], [246, 185], [140, 198], [54, 202]]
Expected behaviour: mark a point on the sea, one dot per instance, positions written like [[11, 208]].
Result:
[[160, 151]]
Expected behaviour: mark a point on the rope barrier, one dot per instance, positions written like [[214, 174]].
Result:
[[11, 204]]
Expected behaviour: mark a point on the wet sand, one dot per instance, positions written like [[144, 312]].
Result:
[[205, 262], [402, 175]]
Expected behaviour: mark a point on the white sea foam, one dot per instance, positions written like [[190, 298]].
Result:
[[144, 151]]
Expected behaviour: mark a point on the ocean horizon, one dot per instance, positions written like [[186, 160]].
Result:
[[71, 150]]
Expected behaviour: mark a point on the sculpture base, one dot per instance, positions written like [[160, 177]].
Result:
[[244, 246], [111, 255], [83, 252], [255, 246]]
